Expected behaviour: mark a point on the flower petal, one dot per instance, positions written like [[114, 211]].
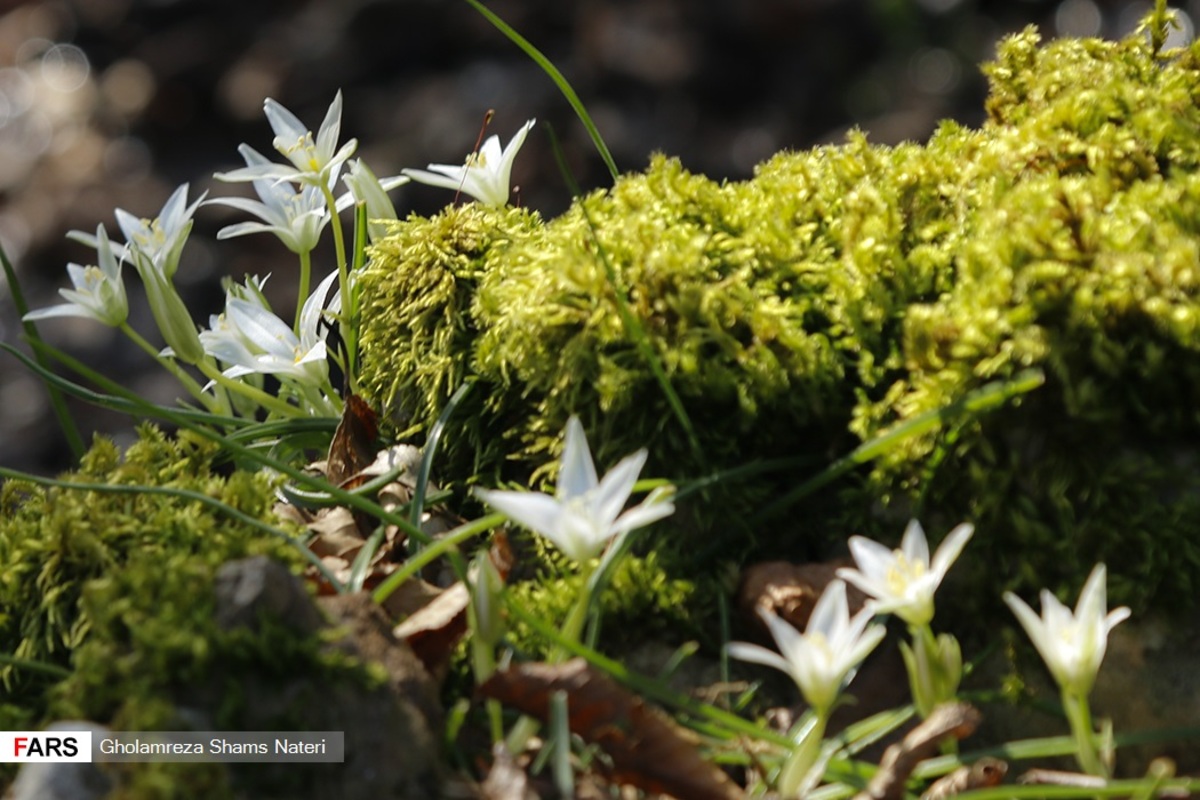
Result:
[[615, 487], [539, 512], [577, 471], [756, 654], [950, 549], [914, 545]]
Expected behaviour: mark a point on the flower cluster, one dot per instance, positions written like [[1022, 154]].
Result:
[[296, 203]]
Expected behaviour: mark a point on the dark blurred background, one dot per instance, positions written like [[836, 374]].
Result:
[[112, 103]]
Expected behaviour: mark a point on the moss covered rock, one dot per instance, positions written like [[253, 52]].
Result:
[[110, 602], [841, 292]]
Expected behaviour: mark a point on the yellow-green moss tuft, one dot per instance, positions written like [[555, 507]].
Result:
[[845, 290]]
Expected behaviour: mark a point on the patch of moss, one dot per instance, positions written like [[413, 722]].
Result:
[[118, 588], [640, 601], [843, 291], [55, 542]]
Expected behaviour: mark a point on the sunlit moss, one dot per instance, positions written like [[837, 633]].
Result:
[[844, 290]]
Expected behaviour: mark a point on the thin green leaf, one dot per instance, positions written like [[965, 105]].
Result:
[[445, 544], [65, 421], [417, 506], [983, 399], [121, 405], [53, 670], [343, 496], [561, 82], [632, 324]]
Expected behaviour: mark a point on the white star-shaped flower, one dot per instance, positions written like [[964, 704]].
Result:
[[585, 513], [486, 174]]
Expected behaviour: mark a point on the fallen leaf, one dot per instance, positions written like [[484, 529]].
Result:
[[951, 719], [434, 630], [353, 444], [505, 780], [647, 749], [789, 590], [983, 774]]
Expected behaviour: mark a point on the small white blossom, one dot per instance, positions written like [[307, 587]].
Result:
[[314, 160], [585, 513], [296, 217], [485, 175], [903, 581], [99, 292], [156, 244], [251, 339], [1072, 645], [823, 658]]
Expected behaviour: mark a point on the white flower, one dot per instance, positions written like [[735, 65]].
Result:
[[585, 513], [371, 191], [902, 582], [156, 244], [99, 292], [486, 174], [824, 657], [296, 217], [313, 159], [251, 339], [1072, 645]]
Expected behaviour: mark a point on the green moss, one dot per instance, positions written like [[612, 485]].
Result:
[[845, 290], [640, 602], [118, 588], [54, 542]]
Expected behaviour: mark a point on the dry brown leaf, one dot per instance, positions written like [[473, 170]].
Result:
[[353, 444], [952, 719], [789, 590], [336, 533], [434, 630], [506, 780], [647, 749], [983, 774]]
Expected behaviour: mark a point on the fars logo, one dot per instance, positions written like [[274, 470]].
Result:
[[25, 746]]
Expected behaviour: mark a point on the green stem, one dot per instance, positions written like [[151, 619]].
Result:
[[1079, 716], [349, 302], [210, 402], [267, 401], [805, 756], [305, 279]]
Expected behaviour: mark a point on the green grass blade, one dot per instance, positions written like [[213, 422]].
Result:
[[984, 399], [343, 496], [417, 507], [52, 670], [561, 82], [65, 421], [121, 405], [632, 324]]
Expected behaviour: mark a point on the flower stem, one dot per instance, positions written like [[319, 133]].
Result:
[[804, 758], [267, 401], [302, 291], [210, 402], [1079, 716], [349, 301]]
